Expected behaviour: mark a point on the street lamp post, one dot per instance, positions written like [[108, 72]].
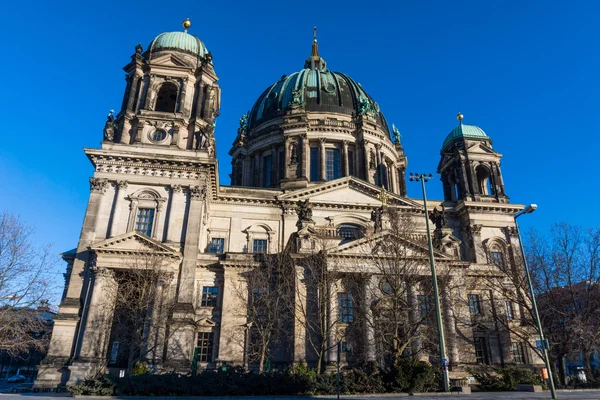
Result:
[[528, 210], [436, 296]]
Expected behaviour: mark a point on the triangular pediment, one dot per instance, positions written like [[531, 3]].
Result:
[[368, 246], [481, 148], [347, 191], [169, 60], [133, 242]]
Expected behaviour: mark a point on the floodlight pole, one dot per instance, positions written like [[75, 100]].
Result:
[[528, 210], [436, 296]]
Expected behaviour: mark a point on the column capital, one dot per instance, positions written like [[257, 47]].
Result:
[[197, 193], [322, 140], [122, 184], [176, 188], [98, 185], [103, 273]]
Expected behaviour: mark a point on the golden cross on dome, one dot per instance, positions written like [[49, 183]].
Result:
[[383, 196]]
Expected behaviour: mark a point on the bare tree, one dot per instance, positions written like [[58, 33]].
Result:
[[264, 294], [317, 283], [143, 304], [25, 276], [395, 300], [566, 268]]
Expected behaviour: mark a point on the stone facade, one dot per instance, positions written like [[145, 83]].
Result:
[[156, 189]]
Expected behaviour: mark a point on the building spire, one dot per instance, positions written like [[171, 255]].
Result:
[[315, 46]]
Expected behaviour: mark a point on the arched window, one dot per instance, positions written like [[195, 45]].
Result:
[[496, 255], [167, 98], [349, 232], [483, 180]]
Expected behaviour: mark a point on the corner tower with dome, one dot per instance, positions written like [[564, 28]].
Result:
[[316, 174]]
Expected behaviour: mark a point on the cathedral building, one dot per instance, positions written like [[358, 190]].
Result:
[[315, 170]]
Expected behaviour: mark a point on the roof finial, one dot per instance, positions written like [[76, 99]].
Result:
[[459, 117], [315, 46], [186, 24]]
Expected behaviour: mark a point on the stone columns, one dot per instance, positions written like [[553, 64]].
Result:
[[190, 250], [449, 321], [305, 157], [286, 158], [150, 94], [345, 171], [332, 323], [66, 322], [133, 93], [175, 214], [181, 343], [393, 179], [369, 288], [367, 154], [231, 337], [323, 164], [156, 334], [413, 318], [299, 309], [257, 171], [88, 233], [100, 312], [120, 186], [274, 165], [182, 97]]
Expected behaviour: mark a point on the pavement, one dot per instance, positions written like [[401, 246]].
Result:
[[580, 395]]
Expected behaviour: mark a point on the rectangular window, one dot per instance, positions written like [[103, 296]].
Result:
[[351, 163], [332, 164], [423, 306], [216, 245], [510, 313], [259, 246], [267, 171], [518, 353], [210, 296], [314, 164], [474, 304], [144, 221], [497, 258], [345, 308], [204, 348], [481, 351]]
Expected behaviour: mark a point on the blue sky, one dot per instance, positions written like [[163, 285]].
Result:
[[524, 71]]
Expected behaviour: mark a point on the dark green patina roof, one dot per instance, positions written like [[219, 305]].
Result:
[[181, 41], [463, 131]]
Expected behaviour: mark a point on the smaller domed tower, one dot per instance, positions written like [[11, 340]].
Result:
[[470, 168], [171, 98]]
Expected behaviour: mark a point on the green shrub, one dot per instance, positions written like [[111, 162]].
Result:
[[507, 378], [101, 386], [410, 375]]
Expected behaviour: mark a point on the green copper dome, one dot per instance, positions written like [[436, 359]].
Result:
[[463, 131], [181, 41]]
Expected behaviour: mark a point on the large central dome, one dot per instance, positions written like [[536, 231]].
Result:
[[312, 126], [320, 90], [317, 89]]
